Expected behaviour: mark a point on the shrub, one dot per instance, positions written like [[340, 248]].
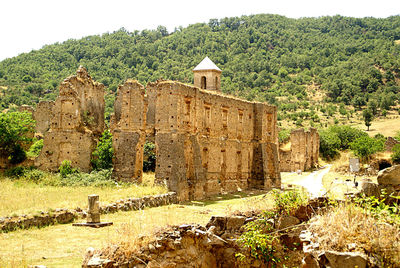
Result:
[[17, 154], [329, 144], [284, 135], [287, 202], [103, 154], [96, 178], [14, 172], [365, 146], [35, 149], [149, 157], [66, 169], [15, 128], [346, 135], [259, 242], [396, 154]]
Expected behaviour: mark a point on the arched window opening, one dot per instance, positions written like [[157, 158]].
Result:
[[216, 82], [203, 82]]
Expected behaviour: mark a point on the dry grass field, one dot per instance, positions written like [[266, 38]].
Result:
[[24, 197], [65, 245], [387, 127]]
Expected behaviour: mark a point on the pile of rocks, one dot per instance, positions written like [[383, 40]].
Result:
[[388, 181], [315, 258], [183, 246], [213, 245]]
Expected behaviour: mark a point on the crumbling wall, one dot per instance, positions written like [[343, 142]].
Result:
[[77, 123], [43, 115], [129, 131], [303, 153], [206, 143]]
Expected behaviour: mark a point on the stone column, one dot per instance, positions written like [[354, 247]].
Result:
[[94, 209]]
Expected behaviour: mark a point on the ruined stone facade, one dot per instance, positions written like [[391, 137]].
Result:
[[76, 124], [303, 153], [43, 115], [206, 143]]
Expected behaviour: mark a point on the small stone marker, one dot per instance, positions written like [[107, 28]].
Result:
[[93, 217], [354, 164]]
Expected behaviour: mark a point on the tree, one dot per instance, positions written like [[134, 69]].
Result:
[[373, 106], [367, 115], [16, 132]]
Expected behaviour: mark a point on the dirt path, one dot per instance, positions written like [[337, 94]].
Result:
[[313, 182]]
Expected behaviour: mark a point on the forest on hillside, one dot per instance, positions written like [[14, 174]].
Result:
[[354, 61]]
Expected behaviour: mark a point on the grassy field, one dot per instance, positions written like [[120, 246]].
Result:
[[65, 245], [387, 127], [24, 197]]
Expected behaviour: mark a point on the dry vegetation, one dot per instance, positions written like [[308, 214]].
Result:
[[347, 224], [25, 197], [386, 126], [64, 245]]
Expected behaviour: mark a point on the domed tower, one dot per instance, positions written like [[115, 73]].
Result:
[[207, 75]]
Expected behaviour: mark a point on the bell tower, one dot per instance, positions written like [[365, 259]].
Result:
[[207, 75]]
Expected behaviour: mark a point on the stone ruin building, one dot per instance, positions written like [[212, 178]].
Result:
[[206, 143], [303, 153], [77, 121]]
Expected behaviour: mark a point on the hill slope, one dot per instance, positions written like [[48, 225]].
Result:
[[263, 57]]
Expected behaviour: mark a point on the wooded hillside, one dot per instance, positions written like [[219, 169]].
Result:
[[263, 57]]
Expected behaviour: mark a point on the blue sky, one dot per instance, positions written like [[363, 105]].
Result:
[[31, 24]]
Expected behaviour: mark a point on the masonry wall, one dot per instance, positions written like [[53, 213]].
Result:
[[43, 115], [303, 153], [129, 131], [206, 143], [76, 124]]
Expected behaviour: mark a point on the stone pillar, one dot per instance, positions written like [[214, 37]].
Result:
[[94, 209]]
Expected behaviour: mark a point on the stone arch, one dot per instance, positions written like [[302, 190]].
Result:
[[203, 82]]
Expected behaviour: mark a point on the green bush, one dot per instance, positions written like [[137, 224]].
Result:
[[284, 135], [365, 146], [287, 202], [149, 157], [66, 169], [396, 154], [14, 172], [258, 240], [15, 130], [35, 149], [97, 178], [329, 144], [103, 155], [17, 155], [346, 135]]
